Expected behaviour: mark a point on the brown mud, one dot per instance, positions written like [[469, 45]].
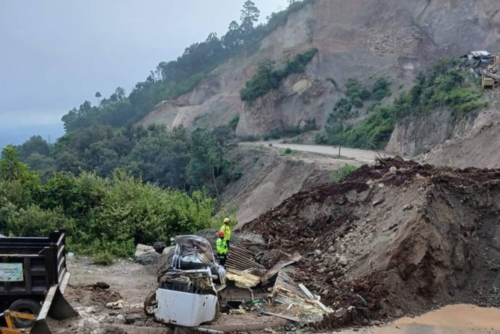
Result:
[[395, 239]]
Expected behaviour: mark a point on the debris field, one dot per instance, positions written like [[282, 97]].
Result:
[[394, 239]]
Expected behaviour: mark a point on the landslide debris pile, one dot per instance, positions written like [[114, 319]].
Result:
[[395, 238]]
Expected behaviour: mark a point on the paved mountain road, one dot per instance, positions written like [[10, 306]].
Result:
[[363, 156]]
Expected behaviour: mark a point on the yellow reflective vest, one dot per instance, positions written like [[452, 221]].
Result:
[[227, 231], [222, 246]]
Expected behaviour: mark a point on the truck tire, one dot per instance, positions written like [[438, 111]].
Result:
[[25, 306], [149, 304]]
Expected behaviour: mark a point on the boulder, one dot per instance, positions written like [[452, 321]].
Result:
[[159, 247], [343, 261], [143, 249], [148, 258], [169, 251]]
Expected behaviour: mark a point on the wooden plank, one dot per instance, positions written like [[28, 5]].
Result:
[[281, 316], [21, 255], [51, 266], [60, 251], [27, 274], [61, 275], [60, 266], [48, 302], [7, 285], [65, 282]]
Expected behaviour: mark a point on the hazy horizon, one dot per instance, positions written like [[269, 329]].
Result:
[[57, 54]]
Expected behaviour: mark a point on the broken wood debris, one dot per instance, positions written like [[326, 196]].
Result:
[[280, 265]]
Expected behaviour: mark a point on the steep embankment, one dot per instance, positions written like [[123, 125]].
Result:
[[479, 148], [396, 238], [361, 39], [270, 177]]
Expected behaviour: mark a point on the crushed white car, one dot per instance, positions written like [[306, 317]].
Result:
[[188, 291]]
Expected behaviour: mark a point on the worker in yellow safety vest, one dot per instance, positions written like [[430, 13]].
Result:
[[222, 248], [226, 228]]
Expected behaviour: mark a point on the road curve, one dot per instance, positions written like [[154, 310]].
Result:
[[363, 156]]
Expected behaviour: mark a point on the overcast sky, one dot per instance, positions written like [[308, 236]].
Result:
[[54, 54]]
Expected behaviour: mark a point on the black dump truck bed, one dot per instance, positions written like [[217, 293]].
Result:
[[29, 267]]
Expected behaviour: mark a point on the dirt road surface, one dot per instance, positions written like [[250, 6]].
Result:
[[133, 282], [130, 279], [456, 319], [363, 156]]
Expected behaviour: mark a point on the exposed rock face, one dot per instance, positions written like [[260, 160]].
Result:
[[419, 134], [480, 147], [361, 39]]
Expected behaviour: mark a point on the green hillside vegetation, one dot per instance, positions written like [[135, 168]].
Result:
[[268, 77], [172, 79], [444, 86], [104, 216], [168, 159]]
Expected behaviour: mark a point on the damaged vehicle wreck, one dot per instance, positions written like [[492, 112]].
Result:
[[188, 292]]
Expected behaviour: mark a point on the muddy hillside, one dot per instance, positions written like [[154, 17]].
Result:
[[396, 238]]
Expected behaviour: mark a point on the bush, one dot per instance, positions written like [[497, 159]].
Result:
[[108, 215], [249, 138], [36, 222], [381, 89], [343, 173], [233, 124], [321, 139], [103, 258], [288, 151]]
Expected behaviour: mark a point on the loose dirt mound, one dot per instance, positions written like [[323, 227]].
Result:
[[93, 294], [397, 238]]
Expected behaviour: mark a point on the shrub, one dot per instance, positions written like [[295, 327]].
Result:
[[233, 124], [288, 151], [249, 138], [321, 139], [103, 258], [343, 173], [381, 89]]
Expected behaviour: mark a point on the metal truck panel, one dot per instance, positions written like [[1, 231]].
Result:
[[32, 265], [185, 309]]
